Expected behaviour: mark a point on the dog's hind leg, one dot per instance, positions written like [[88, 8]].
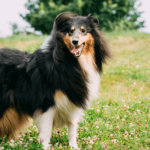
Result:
[[44, 122], [73, 134]]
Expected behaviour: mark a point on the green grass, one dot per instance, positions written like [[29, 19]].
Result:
[[120, 118]]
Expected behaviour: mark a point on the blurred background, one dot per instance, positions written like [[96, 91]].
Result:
[[37, 16]]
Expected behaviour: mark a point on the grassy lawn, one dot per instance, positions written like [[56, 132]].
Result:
[[120, 118]]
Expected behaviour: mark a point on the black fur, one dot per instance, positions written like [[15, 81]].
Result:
[[34, 78]]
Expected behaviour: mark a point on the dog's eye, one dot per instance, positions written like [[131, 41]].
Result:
[[83, 30], [71, 31]]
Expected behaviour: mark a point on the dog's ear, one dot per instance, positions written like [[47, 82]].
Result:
[[94, 19], [63, 18]]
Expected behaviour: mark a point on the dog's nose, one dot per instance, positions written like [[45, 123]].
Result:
[[75, 41]]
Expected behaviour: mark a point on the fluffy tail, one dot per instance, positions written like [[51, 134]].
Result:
[[12, 122]]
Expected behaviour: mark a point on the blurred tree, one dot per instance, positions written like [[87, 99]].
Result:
[[14, 28], [112, 14]]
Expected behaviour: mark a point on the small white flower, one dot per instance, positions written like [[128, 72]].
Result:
[[123, 119], [98, 110], [86, 128], [137, 66], [141, 88], [106, 125], [114, 141], [56, 144], [12, 141], [12, 145], [131, 125], [111, 126], [91, 142], [117, 128], [97, 127], [138, 110]]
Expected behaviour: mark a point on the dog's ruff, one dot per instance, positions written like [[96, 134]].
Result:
[[55, 83]]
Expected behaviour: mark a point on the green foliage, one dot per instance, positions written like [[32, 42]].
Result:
[[113, 14]]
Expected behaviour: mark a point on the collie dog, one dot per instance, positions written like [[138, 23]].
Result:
[[55, 84]]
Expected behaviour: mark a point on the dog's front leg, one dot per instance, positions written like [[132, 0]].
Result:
[[44, 122], [73, 135]]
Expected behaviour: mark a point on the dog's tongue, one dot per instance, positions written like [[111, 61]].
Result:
[[75, 50]]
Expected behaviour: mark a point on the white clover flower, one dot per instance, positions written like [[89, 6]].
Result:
[[138, 111], [106, 125], [117, 117], [113, 141], [111, 126], [12, 145], [12, 141], [98, 110], [137, 66], [97, 127], [117, 128], [56, 144], [91, 142], [123, 119], [131, 125], [90, 147]]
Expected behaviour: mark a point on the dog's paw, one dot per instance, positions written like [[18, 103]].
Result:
[[73, 145], [46, 145]]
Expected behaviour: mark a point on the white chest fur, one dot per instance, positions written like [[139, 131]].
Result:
[[65, 111], [93, 77]]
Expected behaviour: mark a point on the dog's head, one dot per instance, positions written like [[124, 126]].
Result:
[[82, 35]]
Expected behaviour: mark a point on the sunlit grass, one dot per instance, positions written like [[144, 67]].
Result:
[[120, 118]]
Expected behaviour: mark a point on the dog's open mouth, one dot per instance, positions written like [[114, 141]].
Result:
[[77, 50]]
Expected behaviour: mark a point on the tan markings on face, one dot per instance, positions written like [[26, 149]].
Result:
[[82, 28], [67, 40], [88, 52], [72, 28], [12, 123]]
